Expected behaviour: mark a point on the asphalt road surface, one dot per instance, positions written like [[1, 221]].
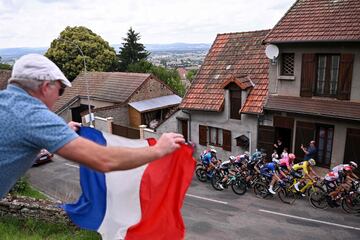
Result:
[[214, 215]]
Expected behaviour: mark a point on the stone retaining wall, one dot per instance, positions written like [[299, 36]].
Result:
[[26, 207]]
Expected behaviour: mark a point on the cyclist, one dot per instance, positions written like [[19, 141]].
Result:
[[307, 172], [287, 162], [242, 160], [331, 179], [227, 170], [270, 170], [345, 185], [339, 168], [209, 159]]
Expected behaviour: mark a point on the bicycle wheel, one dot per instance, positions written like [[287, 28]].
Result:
[[314, 188], [215, 181], [351, 203], [318, 199], [287, 195], [239, 187], [261, 190], [201, 174]]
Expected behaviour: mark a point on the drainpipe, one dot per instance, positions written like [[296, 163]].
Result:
[[188, 112], [250, 139]]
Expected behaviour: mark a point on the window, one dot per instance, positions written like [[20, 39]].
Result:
[[235, 101], [325, 136], [287, 64], [215, 136], [327, 75]]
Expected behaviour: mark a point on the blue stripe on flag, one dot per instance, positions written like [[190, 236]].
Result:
[[89, 211]]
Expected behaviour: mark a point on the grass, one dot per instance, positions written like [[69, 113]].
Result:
[[33, 229]]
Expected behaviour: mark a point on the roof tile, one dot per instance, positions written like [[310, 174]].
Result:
[[115, 87], [318, 20], [246, 55]]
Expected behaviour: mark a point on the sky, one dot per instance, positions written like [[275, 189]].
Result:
[[35, 23]]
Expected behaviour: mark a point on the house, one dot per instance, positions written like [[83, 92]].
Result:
[[223, 104], [131, 99], [182, 73], [4, 77], [314, 86]]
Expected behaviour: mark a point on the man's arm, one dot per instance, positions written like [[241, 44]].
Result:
[[106, 159]]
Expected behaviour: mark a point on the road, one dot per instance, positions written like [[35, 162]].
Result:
[[214, 215]]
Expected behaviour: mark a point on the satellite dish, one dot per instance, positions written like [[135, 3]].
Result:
[[272, 51]]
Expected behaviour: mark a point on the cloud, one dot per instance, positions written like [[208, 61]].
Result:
[[35, 23]]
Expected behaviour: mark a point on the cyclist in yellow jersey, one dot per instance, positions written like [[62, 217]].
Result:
[[307, 171]]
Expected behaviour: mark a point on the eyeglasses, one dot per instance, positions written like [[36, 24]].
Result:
[[62, 89]]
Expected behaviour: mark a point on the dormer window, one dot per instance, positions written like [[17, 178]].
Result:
[[235, 101]]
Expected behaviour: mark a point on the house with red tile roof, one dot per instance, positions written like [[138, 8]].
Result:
[[131, 99], [223, 104], [314, 83]]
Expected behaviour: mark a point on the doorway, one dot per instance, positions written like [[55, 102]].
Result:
[[285, 134]]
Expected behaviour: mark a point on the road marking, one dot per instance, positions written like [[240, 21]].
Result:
[[207, 199], [71, 165], [310, 220]]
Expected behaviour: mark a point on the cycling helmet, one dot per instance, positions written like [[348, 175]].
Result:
[[212, 150], [353, 164], [312, 162], [232, 158], [292, 156], [277, 161], [347, 168]]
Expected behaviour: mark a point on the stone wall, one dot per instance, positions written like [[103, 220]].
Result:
[[151, 89], [26, 207]]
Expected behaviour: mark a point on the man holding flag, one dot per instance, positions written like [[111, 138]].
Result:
[[28, 126]]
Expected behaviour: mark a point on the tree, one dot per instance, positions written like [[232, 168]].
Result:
[[64, 52], [190, 75], [4, 66], [132, 51], [169, 76]]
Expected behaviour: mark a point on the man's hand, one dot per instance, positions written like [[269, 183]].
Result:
[[169, 142], [74, 125]]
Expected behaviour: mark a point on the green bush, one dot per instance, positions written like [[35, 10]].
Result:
[[20, 186]]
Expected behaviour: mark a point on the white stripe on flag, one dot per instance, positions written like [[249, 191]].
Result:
[[123, 194]]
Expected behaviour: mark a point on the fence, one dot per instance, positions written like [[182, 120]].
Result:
[[127, 132]]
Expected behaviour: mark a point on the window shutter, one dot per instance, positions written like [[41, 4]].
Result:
[[305, 132], [308, 74], [266, 138], [235, 101], [345, 76], [227, 140], [202, 135]]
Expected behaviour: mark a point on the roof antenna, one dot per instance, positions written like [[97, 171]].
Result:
[[86, 80]]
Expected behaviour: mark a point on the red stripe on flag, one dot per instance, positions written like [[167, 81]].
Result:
[[162, 191]]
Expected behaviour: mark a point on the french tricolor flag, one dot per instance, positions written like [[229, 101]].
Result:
[[142, 203]]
